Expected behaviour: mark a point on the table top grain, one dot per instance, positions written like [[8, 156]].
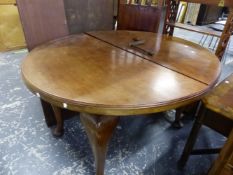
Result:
[[98, 72]]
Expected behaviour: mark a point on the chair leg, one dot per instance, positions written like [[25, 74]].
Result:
[[192, 138]]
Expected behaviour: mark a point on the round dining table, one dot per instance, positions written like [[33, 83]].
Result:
[[105, 75]]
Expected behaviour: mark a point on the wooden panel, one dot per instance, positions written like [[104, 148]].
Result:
[[138, 17], [89, 15], [42, 20], [11, 32]]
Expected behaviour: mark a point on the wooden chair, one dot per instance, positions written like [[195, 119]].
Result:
[[141, 16], [171, 14], [68, 17], [135, 16], [217, 113], [223, 165]]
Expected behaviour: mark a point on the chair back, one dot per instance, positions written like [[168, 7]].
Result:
[[45, 20], [141, 15]]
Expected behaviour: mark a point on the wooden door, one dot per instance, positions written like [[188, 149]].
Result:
[[42, 20]]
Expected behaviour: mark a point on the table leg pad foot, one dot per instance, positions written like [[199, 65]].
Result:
[[57, 132]]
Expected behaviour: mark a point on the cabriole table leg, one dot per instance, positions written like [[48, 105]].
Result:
[[99, 130], [59, 129], [48, 113]]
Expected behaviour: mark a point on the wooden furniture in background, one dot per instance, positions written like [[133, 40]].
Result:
[[172, 8], [101, 76], [139, 17], [46, 20], [43, 21], [89, 15], [192, 13], [224, 163], [216, 113], [208, 14]]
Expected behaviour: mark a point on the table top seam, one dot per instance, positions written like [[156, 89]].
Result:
[[146, 59]]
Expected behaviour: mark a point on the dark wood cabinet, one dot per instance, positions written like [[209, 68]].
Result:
[[208, 14]]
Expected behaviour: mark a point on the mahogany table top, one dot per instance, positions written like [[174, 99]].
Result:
[[98, 72]]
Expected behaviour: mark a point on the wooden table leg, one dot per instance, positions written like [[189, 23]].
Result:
[[99, 130], [59, 129], [48, 113]]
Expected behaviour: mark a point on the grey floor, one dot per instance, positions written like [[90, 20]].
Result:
[[140, 145]]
